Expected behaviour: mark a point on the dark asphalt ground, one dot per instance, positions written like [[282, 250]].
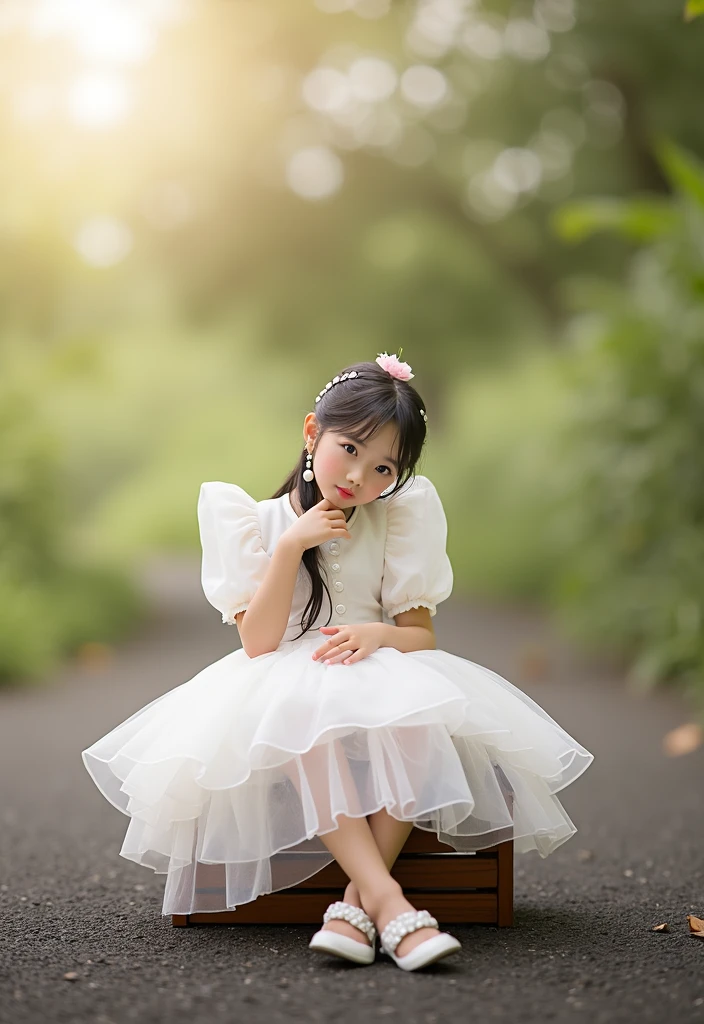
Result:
[[581, 948]]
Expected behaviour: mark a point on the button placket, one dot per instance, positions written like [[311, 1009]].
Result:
[[338, 585]]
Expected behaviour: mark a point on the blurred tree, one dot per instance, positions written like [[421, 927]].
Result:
[[633, 516]]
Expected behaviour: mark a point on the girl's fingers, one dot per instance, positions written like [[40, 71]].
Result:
[[342, 655], [333, 649], [340, 649], [336, 653], [337, 660], [333, 644], [347, 657]]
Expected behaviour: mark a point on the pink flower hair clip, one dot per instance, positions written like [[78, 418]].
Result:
[[401, 371], [391, 364]]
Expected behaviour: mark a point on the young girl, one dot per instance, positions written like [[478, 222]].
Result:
[[339, 726]]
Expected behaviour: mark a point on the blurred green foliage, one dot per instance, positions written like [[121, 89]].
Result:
[[694, 9], [51, 599], [633, 516], [495, 468]]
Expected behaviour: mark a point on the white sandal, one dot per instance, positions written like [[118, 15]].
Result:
[[343, 945], [426, 952]]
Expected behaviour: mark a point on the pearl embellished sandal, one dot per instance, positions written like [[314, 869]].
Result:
[[343, 945], [426, 952]]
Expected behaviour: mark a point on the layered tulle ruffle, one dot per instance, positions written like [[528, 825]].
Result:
[[246, 764]]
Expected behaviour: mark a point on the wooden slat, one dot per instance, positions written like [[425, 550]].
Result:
[[298, 908], [505, 871], [432, 870], [505, 885], [420, 841]]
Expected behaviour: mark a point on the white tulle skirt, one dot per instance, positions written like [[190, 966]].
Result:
[[246, 764]]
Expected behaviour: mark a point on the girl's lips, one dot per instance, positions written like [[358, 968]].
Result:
[[344, 493]]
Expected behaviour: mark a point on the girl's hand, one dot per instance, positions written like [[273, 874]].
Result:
[[324, 521], [349, 644]]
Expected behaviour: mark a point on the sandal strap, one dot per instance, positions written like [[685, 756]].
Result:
[[404, 924], [353, 915]]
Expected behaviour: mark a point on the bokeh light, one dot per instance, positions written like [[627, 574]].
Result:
[[526, 40], [98, 100], [315, 172], [102, 30], [103, 241], [372, 79], [483, 38], [423, 85]]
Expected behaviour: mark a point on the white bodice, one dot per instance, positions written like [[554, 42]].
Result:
[[394, 559]]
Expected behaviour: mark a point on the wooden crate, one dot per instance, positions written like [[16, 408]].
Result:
[[457, 888]]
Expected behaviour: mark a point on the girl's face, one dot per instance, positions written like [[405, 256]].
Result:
[[341, 460]]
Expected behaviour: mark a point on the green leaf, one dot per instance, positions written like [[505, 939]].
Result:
[[684, 171], [639, 220], [693, 9]]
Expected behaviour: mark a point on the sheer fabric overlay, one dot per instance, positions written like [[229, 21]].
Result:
[[230, 778]]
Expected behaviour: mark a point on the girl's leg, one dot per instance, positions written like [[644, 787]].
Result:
[[316, 765], [390, 835], [353, 847]]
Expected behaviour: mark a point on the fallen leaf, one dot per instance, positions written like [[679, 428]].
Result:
[[683, 740], [70, 975], [660, 927], [93, 655], [696, 926], [534, 663]]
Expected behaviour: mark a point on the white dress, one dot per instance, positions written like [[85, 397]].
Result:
[[246, 764]]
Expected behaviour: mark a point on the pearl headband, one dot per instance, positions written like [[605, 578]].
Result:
[[401, 371]]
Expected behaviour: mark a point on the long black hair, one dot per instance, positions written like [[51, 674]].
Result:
[[363, 405]]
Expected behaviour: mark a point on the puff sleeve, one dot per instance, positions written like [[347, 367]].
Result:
[[234, 558], [417, 570]]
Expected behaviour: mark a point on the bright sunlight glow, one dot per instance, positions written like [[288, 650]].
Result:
[[103, 30], [97, 100]]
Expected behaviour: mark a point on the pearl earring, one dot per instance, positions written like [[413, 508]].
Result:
[[308, 473]]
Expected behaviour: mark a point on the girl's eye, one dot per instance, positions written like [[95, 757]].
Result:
[[386, 468]]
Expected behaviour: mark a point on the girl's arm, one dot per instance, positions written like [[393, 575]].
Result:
[[407, 638], [413, 631], [263, 623]]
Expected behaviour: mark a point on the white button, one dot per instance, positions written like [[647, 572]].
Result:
[[340, 609], [334, 547], [335, 566], [339, 585]]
